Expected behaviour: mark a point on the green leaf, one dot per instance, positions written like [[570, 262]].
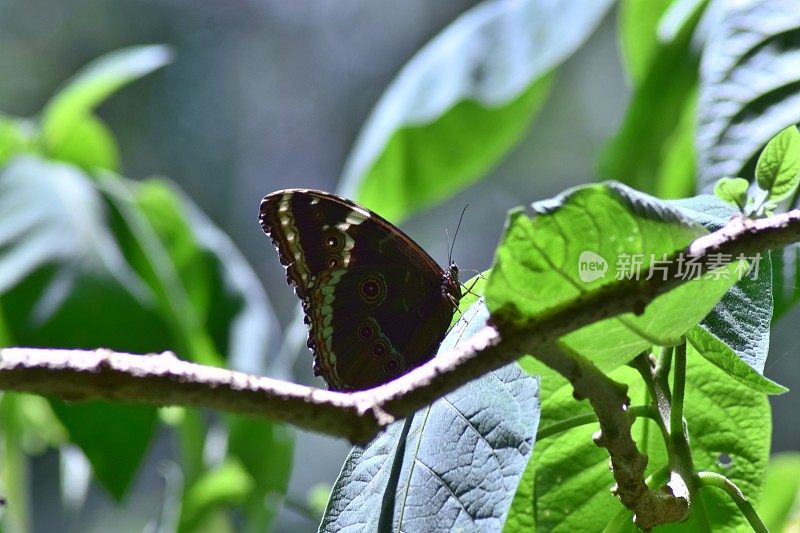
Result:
[[88, 144], [226, 485], [265, 450], [13, 138], [650, 150], [722, 356], [675, 177], [452, 465], [40, 428], [206, 291], [113, 436], [238, 316], [572, 245], [638, 42], [71, 256], [158, 258], [542, 264], [748, 86], [779, 506], [317, 498], [729, 426], [61, 268], [72, 105], [778, 166], [61, 272], [678, 16], [463, 101], [733, 191]]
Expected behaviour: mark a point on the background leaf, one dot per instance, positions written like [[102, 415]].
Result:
[[61, 268], [65, 117], [206, 289], [462, 102], [455, 464], [13, 138], [779, 506], [748, 85], [265, 451], [638, 41], [89, 144], [652, 151], [113, 437], [226, 485], [68, 255]]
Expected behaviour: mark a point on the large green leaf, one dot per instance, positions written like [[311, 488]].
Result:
[[453, 465], [463, 101], [545, 261], [729, 426], [748, 85], [61, 272], [569, 489], [113, 437], [67, 122], [541, 266]]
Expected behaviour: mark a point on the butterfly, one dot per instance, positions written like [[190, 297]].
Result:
[[376, 304]]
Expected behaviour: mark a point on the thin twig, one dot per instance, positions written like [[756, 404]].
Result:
[[713, 479], [586, 419]]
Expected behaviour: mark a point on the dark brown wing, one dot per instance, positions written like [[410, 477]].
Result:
[[373, 298]]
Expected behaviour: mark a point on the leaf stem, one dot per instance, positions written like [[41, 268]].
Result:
[[589, 418], [663, 367], [678, 391], [713, 479], [15, 468]]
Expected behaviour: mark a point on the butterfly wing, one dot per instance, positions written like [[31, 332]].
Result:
[[373, 299]]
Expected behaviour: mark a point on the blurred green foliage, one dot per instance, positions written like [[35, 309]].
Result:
[[91, 259]]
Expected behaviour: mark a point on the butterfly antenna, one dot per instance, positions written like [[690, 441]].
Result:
[[450, 257], [449, 249]]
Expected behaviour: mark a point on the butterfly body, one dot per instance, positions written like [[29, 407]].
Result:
[[377, 305]]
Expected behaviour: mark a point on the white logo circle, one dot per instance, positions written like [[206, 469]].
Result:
[[591, 266]]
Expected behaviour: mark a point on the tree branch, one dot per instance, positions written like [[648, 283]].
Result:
[[163, 379]]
